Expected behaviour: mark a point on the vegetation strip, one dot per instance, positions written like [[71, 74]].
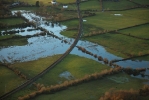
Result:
[[131, 94]]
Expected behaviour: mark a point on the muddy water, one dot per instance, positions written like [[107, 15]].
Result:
[[43, 46]]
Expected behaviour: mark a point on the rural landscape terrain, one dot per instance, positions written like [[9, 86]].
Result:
[[74, 50]]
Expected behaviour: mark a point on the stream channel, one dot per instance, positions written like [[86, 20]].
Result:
[[44, 46]]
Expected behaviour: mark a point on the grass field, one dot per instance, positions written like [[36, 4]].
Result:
[[13, 42], [143, 2], [46, 2], [78, 67], [122, 4], [8, 80], [107, 21], [95, 89], [89, 5], [121, 43], [12, 21], [139, 31], [32, 68]]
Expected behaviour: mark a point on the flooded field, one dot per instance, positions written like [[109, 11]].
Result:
[[43, 46]]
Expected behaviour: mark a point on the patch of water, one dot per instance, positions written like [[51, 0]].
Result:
[[66, 75]]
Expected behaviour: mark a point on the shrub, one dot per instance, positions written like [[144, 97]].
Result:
[[120, 95]]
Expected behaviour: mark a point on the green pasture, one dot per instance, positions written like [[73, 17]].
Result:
[[32, 68], [93, 90], [77, 66], [122, 4], [143, 2], [144, 58], [26, 8], [46, 2], [8, 80], [139, 31], [70, 33], [140, 13], [11, 21], [108, 21], [13, 42], [89, 5], [121, 43], [6, 36]]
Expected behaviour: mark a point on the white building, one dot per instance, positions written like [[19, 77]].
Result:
[[53, 2], [65, 6]]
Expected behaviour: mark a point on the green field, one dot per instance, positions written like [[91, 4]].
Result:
[[78, 67], [9, 80], [13, 42], [122, 4], [139, 31], [94, 90], [12, 21], [143, 2], [121, 43], [117, 43], [32, 68], [46, 2]]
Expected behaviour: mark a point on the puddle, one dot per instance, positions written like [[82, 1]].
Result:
[[119, 79], [66, 75], [118, 14]]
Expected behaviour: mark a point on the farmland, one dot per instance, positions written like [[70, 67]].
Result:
[[111, 55]]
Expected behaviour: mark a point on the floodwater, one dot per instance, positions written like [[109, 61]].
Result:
[[43, 46]]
